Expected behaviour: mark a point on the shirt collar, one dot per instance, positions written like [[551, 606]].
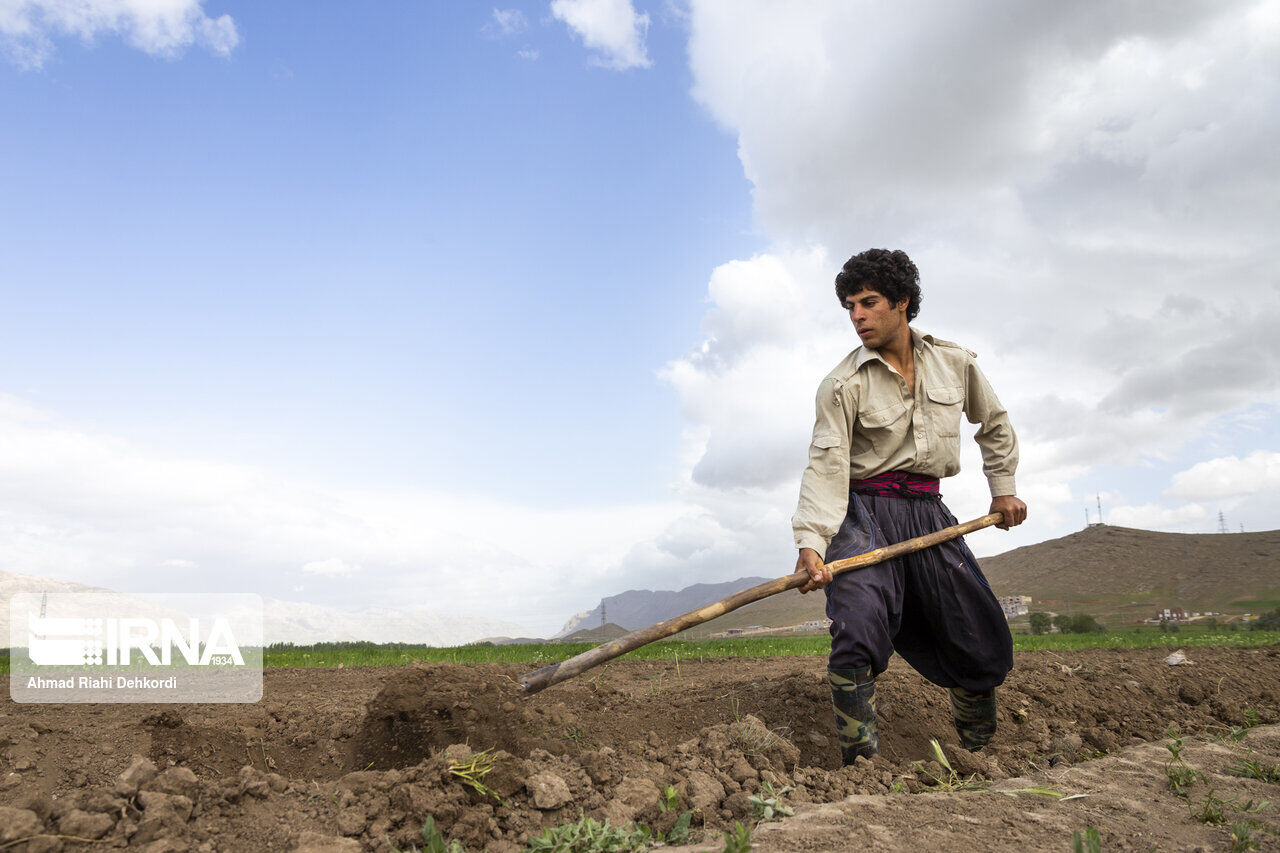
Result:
[[865, 354]]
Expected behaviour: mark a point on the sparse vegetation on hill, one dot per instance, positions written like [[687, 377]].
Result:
[[1122, 575]]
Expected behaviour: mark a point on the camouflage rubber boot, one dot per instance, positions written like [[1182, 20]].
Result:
[[975, 717], [853, 693]]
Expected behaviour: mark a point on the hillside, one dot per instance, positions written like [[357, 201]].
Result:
[[598, 634], [1119, 572], [1114, 573]]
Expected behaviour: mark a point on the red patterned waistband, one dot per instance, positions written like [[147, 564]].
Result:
[[897, 484]]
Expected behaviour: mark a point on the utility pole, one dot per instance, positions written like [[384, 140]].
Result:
[[1086, 516], [1099, 497], [602, 615], [1222, 523]]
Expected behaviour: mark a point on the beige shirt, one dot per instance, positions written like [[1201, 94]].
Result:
[[869, 423]]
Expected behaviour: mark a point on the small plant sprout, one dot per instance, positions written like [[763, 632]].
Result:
[[1242, 837], [1086, 841], [767, 805], [1255, 769], [1212, 811], [669, 800], [588, 834], [434, 842], [738, 839]]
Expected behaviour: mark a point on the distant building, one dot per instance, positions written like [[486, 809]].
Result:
[[1172, 614], [1015, 605]]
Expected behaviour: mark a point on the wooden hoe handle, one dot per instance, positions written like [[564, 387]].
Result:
[[532, 682]]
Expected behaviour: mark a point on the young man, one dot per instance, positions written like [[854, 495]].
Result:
[[888, 428]]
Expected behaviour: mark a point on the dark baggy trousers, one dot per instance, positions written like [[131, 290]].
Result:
[[933, 607]]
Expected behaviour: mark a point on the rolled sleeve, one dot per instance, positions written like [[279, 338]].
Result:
[[995, 436], [824, 487]]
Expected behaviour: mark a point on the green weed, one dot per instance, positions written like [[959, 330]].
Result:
[[432, 841], [1180, 775], [1255, 769], [1242, 837], [680, 829], [766, 804], [588, 835], [1212, 811], [1086, 841], [738, 839]]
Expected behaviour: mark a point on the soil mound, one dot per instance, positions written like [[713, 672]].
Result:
[[425, 708]]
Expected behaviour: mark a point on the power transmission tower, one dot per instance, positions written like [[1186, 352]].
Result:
[[1222, 523], [1099, 497], [1086, 516], [602, 615]]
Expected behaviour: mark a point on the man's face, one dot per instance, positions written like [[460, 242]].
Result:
[[877, 320]]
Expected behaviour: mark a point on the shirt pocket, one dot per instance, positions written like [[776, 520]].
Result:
[[884, 428], [944, 410], [827, 453]]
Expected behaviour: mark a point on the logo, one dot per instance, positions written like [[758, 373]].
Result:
[[68, 642], [140, 647]]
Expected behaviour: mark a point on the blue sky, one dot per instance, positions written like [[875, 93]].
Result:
[[498, 310], [368, 247]]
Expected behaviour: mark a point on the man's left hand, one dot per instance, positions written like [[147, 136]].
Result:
[[1013, 510]]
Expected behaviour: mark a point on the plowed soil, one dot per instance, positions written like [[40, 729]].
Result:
[[357, 759]]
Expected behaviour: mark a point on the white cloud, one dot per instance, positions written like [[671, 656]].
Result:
[[1187, 518], [159, 27], [505, 22], [98, 509], [1228, 477], [529, 54], [611, 28], [1090, 191]]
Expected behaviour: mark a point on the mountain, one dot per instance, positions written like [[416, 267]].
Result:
[[638, 608], [1114, 573], [1126, 574], [598, 634], [301, 623]]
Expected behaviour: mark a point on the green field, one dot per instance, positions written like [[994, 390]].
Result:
[[540, 654]]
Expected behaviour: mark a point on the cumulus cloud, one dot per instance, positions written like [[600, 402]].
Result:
[[1090, 191], [163, 28], [611, 28], [93, 508], [1228, 477]]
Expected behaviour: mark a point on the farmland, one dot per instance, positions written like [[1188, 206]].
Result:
[[540, 654], [354, 748]]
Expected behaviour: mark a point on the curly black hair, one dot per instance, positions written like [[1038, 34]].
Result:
[[889, 273]]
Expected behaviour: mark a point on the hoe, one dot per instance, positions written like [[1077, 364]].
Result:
[[532, 682]]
